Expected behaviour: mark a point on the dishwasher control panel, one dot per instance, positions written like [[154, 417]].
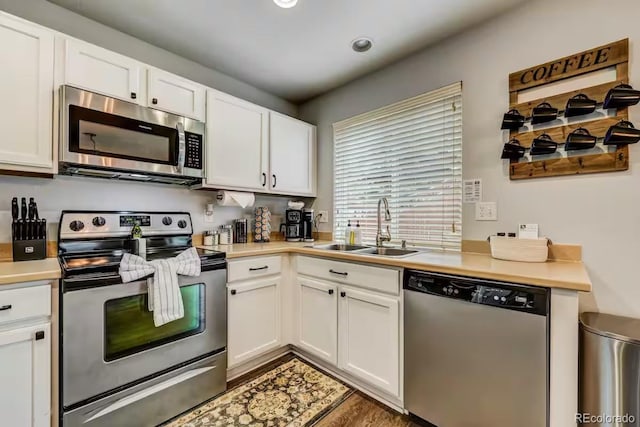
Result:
[[506, 295]]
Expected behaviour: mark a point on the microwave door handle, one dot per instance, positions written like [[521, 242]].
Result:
[[181, 147]]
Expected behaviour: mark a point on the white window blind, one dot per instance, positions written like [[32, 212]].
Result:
[[411, 153]]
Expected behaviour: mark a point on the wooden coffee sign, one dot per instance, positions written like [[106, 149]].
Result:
[[602, 158], [570, 66]]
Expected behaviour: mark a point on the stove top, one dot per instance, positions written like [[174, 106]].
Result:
[[93, 242]]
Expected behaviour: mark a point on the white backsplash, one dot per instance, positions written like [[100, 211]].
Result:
[[81, 193]]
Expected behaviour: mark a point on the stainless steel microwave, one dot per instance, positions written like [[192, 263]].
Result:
[[110, 138]]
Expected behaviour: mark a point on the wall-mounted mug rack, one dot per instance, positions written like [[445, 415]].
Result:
[[570, 120]]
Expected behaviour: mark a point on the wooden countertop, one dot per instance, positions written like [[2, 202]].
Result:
[[29, 271], [570, 275]]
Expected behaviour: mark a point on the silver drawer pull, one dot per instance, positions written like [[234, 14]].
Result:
[[259, 268], [338, 272], [5, 307]]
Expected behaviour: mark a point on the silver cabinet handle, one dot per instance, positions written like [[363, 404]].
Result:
[[259, 268], [338, 273]]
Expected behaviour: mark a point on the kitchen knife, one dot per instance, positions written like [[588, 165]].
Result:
[[23, 208], [43, 228], [14, 217], [23, 218], [35, 209]]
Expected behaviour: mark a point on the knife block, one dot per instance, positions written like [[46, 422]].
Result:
[[29, 250]]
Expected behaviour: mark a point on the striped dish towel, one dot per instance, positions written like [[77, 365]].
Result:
[[165, 299]]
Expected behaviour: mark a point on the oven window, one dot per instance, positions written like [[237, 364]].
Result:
[[129, 327], [108, 135]]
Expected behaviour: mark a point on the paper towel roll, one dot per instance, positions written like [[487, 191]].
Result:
[[235, 198]]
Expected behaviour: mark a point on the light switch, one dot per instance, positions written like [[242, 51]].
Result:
[[486, 211]]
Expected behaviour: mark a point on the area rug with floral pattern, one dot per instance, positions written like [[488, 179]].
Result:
[[292, 394]]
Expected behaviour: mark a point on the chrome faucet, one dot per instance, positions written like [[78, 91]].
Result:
[[380, 236]]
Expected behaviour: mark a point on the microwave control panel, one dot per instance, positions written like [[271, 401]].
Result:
[[193, 151]]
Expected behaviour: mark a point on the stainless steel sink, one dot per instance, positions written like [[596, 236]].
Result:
[[391, 252], [367, 250], [341, 247]]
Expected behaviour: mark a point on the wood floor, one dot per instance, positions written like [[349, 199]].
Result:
[[357, 410]]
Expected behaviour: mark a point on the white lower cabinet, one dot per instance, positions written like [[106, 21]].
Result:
[[253, 319], [25, 356], [355, 327], [369, 334], [25, 376], [318, 318]]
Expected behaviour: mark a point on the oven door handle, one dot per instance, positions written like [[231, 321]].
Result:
[[182, 144], [142, 394]]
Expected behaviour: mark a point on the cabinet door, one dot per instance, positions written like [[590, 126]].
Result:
[[254, 318], [173, 94], [25, 371], [26, 96], [292, 156], [318, 318], [99, 70], [369, 338], [237, 142]]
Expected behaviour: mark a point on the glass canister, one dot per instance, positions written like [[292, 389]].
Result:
[[226, 234], [262, 225]]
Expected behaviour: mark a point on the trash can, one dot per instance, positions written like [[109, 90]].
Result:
[[609, 389]]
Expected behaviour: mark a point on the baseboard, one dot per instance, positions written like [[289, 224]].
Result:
[[243, 368]]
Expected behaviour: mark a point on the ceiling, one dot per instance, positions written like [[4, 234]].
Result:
[[295, 53]]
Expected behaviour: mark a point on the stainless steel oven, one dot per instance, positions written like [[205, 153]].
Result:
[[109, 342], [107, 137], [116, 367]]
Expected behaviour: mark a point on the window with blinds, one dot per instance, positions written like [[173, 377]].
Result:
[[411, 153]]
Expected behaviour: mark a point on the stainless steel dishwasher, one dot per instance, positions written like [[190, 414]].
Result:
[[476, 351]]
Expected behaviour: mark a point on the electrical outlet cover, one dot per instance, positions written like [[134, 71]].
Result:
[[208, 218], [486, 211], [324, 216]]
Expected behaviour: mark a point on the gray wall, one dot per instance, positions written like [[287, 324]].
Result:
[[600, 212], [54, 195], [58, 18]]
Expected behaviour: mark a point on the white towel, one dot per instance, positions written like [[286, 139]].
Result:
[[165, 299]]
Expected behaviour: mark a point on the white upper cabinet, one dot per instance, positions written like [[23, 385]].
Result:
[[26, 96], [369, 334], [99, 70], [292, 156], [318, 318], [237, 143], [173, 94]]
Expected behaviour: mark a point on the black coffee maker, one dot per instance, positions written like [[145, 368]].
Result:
[[307, 225], [293, 225]]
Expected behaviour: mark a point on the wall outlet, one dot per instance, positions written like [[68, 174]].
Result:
[[486, 211], [323, 216], [208, 217]]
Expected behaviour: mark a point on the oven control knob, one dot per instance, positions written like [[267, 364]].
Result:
[[99, 221], [167, 220], [182, 223], [76, 225]]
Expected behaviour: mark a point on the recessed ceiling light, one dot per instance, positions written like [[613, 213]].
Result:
[[286, 3], [361, 44]]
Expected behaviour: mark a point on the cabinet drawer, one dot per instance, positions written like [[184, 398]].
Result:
[[23, 303], [253, 267], [366, 276]]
